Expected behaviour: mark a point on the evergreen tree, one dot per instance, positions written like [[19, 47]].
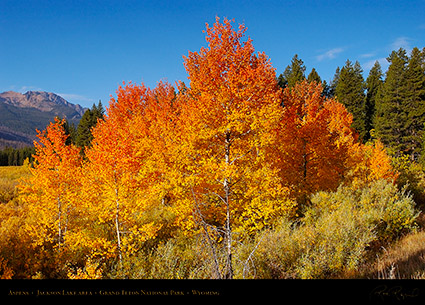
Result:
[[390, 115], [3, 158], [326, 90], [293, 73], [98, 112], [16, 156], [414, 102], [87, 122], [281, 80], [350, 91], [334, 83], [84, 135], [71, 131], [374, 84], [314, 76]]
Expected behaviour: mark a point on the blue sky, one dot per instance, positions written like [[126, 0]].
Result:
[[83, 50]]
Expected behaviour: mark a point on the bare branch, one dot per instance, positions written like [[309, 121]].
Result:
[[241, 156], [210, 242], [249, 257]]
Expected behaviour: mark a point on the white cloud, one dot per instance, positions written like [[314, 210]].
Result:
[[369, 64], [24, 89], [330, 54], [75, 98], [401, 42], [367, 55]]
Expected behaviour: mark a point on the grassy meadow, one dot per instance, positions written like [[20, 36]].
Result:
[[9, 179]]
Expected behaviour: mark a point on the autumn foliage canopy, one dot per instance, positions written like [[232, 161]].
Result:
[[225, 155]]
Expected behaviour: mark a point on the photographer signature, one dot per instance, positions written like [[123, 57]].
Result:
[[399, 293]]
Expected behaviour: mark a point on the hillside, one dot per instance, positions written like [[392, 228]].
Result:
[[22, 114]]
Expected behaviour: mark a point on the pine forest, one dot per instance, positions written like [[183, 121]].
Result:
[[240, 173]]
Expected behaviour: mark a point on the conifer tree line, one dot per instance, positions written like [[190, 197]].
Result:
[[16, 156], [81, 136], [389, 107]]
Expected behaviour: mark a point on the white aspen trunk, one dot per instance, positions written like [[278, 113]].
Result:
[[304, 169], [117, 225], [228, 230], [65, 229], [198, 213], [59, 223]]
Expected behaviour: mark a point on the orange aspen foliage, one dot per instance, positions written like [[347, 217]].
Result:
[[314, 138], [159, 146], [379, 163], [115, 173], [226, 118], [371, 163], [155, 141]]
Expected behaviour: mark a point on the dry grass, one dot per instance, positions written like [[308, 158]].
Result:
[[9, 178], [13, 172], [404, 259]]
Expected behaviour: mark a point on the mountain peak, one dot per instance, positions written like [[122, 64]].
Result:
[[41, 100], [21, 114]]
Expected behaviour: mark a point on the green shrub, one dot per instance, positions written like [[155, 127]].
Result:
[[392, 211], [180, 257], [272, 254], [338, 243], [333, 237], [411, 176]]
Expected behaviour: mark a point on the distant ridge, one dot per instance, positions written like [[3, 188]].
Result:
[[21, 114]]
